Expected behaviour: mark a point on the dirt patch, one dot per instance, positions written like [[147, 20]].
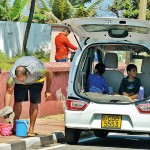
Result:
[[58, 117]]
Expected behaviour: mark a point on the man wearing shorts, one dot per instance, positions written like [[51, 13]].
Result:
[[27, 76]]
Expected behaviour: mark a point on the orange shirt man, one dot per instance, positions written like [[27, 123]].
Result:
[[62, 46]]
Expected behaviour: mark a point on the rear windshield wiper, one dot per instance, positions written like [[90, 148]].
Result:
[[114, 101]]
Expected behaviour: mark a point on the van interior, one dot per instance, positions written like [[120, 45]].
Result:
[[116, 57]]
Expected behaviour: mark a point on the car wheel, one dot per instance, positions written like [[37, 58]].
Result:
[[72, 136], [101, 134]]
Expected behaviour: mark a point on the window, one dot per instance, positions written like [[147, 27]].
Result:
[[106, 27]]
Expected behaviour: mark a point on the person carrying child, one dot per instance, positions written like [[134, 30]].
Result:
[[131, 84], [96, 83]]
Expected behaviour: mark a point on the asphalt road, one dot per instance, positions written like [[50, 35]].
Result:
[[112, 142]]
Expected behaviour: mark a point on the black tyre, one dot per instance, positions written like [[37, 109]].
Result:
[[101, 134], [72, 136]]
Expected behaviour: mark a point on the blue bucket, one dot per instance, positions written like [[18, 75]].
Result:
[[22, 128]]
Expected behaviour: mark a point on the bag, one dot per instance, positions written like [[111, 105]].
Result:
[[5, 129]]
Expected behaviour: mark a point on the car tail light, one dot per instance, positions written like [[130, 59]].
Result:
[[77, 105], [144, 108]]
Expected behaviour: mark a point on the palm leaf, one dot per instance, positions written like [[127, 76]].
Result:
[[93, 5], [17, 8], [91, 9], [4, 3], [62, 9], [44, 5], [4, 7]]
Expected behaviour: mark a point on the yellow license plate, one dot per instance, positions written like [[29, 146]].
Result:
[[111, 121]]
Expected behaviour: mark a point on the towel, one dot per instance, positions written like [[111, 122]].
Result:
[[8, 114]]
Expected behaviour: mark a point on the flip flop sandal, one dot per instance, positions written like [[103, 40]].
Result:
[[32, 134]]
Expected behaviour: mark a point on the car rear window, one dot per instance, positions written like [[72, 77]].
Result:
[[106, 27]]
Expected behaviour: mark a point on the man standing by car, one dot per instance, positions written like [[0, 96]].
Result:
[[27, 76], [62, 46]]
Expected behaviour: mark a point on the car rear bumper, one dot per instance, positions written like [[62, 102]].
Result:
[[90, 119]]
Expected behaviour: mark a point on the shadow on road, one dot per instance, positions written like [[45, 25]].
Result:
[[120, 141]]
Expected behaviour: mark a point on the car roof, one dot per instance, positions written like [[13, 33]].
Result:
[[97, 28]]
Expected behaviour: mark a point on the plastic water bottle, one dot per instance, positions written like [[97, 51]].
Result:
[[110, 90], [141, 93]]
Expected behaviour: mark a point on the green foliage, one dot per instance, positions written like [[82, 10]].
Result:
[[128, 8], [121, 56], [6, 62], [62, 9], [43, 13], [4, 8], [86, 12], [17, 8], [79, 2], [91, 9], [46, 8], [11, 13], [148, 15], [23, 19], [81, 12], [53, 10], [42, 55], [40, 14], [41, 18]]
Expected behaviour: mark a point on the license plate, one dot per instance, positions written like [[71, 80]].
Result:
[[111, 121]]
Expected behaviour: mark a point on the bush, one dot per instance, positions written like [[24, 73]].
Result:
[[42, 55]]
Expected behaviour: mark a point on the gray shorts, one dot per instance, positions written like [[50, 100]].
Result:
[[34, 90]]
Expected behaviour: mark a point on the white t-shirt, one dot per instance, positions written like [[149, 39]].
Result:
[[35, 67]]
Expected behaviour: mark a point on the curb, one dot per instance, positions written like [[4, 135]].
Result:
[[35, 142]]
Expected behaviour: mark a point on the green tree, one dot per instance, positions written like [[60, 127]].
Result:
[[16, 9], [128, 8], [86, 12], [43, 12], [4, 7], [11, 13], [79, 2], [62, 9], [53, 11]]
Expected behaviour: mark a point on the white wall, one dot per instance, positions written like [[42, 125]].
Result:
[[12, 34]]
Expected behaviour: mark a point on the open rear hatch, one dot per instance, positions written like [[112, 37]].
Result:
[[114, 29]]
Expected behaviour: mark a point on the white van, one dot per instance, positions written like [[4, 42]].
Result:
[[111, 40]]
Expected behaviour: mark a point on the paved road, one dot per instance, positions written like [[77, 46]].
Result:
[[112, 142]]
